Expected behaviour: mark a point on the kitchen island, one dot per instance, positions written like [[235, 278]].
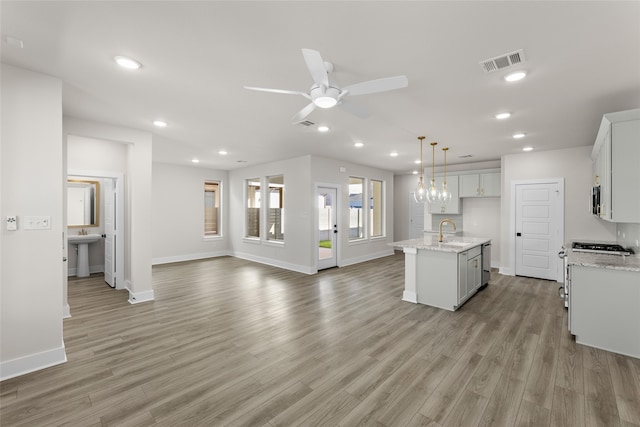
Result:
[[442, 274]]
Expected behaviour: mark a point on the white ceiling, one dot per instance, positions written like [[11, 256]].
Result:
[[582, 60]]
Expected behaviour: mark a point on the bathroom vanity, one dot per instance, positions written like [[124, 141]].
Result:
[[442, 274]]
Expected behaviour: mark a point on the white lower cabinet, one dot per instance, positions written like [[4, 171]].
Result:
[[470, 273], [604, 308]]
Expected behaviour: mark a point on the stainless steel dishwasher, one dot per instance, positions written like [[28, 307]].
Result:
[[486, 263]]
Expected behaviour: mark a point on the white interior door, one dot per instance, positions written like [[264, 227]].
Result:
[[109, 231], [538, 226], [327, 201], [416, 218]]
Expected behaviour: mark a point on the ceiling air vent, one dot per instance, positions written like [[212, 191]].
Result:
[[306, 123], [502, 61]]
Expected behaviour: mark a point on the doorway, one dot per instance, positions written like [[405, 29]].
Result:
[[539, 228], [327, 231], [113, 201]]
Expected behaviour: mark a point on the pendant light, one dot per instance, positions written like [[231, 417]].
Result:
[[432, 193], [420, 193], [445, 195]]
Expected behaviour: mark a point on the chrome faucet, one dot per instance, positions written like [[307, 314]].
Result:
[[450, 221]]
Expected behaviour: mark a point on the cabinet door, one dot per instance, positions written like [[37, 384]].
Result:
[[463, 268], [625, 174], [453, 207], [490, 184], [470, 185], [474, 277]]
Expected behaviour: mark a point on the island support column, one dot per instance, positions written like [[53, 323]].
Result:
[[410, 293]]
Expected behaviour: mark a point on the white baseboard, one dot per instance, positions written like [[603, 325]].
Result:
[[66, 311], [368, 257], [138, 297], [506, 271], [189, 257], [33, 362], [73, 271], [275, 263], [410, 297]]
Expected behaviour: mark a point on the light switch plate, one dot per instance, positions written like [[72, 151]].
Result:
[[12, 222], [37, 222]]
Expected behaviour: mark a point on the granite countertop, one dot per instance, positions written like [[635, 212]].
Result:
[[453, 244], [613, 262]]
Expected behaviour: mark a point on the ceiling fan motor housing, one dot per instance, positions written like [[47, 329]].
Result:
[[325, 97]]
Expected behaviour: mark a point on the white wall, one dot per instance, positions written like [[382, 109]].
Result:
[[178, 214], [482, 218], [575, 166], [138, 204], [31, 266], [328, 171], [295, 253]]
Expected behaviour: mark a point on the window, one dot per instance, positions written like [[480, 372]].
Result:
[[253, 207], [356, 218], [376, 217], [211, 208], [275, 211]]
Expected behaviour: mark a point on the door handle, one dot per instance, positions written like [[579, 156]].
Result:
[[518, 234], [335, 231], [64, 259]]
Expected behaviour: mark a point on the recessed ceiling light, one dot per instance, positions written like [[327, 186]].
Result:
[[128, 63], [358, 144], [323, 128], [160, 123], [518, 135], [527, 148], [514, 77], [394, 154], [501, 116], [414, 172], [417, 162], [222, 152], [195, 161]]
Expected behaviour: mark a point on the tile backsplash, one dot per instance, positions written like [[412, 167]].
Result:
[[628, 235]]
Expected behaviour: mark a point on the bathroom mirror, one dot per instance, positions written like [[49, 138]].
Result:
[[83, 199]]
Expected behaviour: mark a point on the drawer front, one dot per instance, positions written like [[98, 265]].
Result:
[[474, 251]]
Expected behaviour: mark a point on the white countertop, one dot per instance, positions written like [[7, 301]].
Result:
[[613, 262], [454, 244]]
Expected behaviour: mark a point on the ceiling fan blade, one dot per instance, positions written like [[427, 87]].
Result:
[[354, 109], [303, 113], [379, 85], [316, 67], [287, 92]]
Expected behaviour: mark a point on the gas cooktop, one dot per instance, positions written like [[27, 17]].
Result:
[[601, 248]]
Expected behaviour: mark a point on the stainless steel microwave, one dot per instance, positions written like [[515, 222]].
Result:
[[595, 200]]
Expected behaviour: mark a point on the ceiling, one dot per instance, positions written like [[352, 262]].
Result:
[[582, 60]]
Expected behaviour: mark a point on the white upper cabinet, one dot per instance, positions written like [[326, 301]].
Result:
[[485, 184], [453, 207], [616, 156]]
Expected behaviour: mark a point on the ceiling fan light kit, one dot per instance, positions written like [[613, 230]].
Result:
[[324, 94]]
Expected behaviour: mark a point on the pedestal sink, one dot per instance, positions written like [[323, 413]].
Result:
[[83, 240]]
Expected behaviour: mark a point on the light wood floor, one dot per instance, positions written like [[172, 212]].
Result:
[[230, 342]]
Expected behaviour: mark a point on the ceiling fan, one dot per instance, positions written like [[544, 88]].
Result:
[[326, 94]]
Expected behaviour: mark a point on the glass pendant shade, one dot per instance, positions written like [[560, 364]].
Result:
[[433, 194], [445, 195], [420, 193]]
